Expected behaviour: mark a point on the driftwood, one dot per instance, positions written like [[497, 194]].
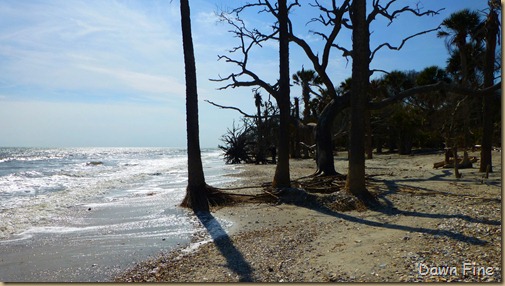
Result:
[[464, 163]]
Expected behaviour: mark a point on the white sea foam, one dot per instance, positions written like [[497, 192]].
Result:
[[40, 189]]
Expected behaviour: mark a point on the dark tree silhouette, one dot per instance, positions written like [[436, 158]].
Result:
[[334, 18], [457, 28], [492, 30], [280, 90], [465, 34], [306, 79], [360, 84], [197, 191], [282, 177]]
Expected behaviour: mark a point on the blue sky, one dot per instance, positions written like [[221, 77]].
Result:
[[110, 72]]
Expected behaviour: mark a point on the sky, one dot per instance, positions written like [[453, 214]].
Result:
[[110, 73]]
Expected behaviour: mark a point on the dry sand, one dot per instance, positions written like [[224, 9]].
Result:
[[430, 223]]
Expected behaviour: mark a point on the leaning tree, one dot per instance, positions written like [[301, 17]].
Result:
[[198, 193], [334, 17]]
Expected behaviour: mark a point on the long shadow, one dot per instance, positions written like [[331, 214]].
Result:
[[234, 259], [447, 233], [447, 176], [393, 188]]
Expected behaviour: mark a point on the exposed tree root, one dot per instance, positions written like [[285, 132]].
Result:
[[321, 184], [214, 197], [263, 185], [322, 173], [308, 191], [368, 199], [342, 202], [311, 191]]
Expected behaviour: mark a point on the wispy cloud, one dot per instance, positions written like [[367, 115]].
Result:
[[143, 82], [90, 44]]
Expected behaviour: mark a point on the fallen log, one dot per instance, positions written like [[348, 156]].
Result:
[[462, 164]]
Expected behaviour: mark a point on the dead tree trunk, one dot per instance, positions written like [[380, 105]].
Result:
[[368, 142], [324, 146]]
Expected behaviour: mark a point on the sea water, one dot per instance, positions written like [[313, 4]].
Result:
[[111, 191]]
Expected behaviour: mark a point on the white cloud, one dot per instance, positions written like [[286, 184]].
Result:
[[47, 44], [142, 82]]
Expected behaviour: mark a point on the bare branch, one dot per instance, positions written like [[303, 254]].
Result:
[[315, 62], [231, 107], [416, 12], [334, 17], [402, 43], [383, 11], [377, 9], [378, 70], [330, 17], [345, 52], [249, 5], [248, 40], [294, 4]]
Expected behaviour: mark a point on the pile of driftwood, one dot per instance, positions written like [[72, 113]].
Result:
[[462, 163]]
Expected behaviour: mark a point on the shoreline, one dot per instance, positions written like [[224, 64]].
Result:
[[103, 219], [97, 241], [432, 220]]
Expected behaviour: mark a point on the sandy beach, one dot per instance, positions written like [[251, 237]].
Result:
[[430, 227]]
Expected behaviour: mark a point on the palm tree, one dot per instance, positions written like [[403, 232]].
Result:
[[473, 57], [360, 83], [282, 176], [492, 31], [458, 27], [306, 79], [196, 191]]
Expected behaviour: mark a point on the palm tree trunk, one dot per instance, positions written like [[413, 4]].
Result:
[[359, 94], [492, 28], [306, 102], [297, 125], [196, 196], [282, 177]]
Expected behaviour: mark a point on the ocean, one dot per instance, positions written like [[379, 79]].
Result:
[[122, 195]]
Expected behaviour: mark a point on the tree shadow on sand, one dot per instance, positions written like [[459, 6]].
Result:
[[393, 187], [310, 201], [448, 176], [234, 259]]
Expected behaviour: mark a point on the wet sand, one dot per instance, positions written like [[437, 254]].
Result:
[[428, 219], [94, 251]]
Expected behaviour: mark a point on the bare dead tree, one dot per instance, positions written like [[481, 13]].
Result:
[[253, 38], [360, 83], [336, 16], [329, 17]]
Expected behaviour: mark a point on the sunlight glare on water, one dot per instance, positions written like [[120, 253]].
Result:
[[123, 190]]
